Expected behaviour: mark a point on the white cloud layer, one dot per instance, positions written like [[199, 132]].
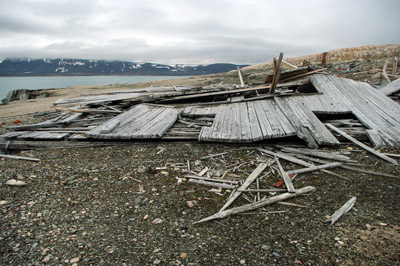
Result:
[[192, 31]]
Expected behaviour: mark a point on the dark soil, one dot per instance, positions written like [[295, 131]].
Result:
[[86, 207]]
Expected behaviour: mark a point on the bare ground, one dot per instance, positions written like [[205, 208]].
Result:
[[87, 204]]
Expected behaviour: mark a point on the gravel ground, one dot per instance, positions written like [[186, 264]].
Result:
[[129, 205]]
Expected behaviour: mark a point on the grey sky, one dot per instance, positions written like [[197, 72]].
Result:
[[192, 31]]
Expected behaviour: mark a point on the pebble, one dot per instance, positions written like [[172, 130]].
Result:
[[157, 221], [297, 262], [74, 260], [15, 183], [156, 261], [190, 204], [183, 255], [265, 247], [276, 254], [46, 259], [3, 202]]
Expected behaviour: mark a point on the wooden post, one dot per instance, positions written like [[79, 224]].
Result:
[[395, 62], [277, 74]]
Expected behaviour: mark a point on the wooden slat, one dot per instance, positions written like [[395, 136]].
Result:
[[362, 145]]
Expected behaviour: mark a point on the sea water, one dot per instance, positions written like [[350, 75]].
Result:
[[33, 83]]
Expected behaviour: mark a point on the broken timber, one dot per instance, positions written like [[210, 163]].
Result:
[[258, 204], [235, 194], [342, 211], [362, 145]]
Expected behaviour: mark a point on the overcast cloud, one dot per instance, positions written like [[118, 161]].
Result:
[[192, 31]]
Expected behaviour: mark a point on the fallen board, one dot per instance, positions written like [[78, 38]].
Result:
[[140, 122]]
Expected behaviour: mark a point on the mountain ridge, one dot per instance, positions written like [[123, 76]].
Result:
[[88, 67]]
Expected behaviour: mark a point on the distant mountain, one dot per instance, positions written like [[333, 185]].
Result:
[[74, 67]]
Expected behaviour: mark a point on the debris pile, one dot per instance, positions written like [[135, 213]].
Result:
[[258, 189], [293, 102]]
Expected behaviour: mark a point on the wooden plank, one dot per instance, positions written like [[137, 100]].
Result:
[[285, 176], [313, 168], [255, 130], [366, 112], [263, 121], [232, 182], [365, 147], [289, 65], [211, 184], [273, 119], [242, 85], [391, 88], [375, 139], [266, 190], [19, 158], [298, 122], [292, 159], [90, 111], [342, 211], [250, 179], [320, 154], [258, 204]]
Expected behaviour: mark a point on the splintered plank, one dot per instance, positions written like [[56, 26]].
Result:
[[285, 177], [258, 204], [250, 179], [342, 211], [362, 145]]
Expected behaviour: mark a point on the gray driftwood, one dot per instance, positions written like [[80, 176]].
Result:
[[342, 211]]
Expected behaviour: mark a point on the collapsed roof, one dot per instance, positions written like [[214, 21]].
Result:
[[299, 105]]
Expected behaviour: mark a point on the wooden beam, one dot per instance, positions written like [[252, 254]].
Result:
[[362, 145], [277, 74]]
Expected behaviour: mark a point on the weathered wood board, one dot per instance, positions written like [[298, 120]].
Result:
[[140, 122]]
